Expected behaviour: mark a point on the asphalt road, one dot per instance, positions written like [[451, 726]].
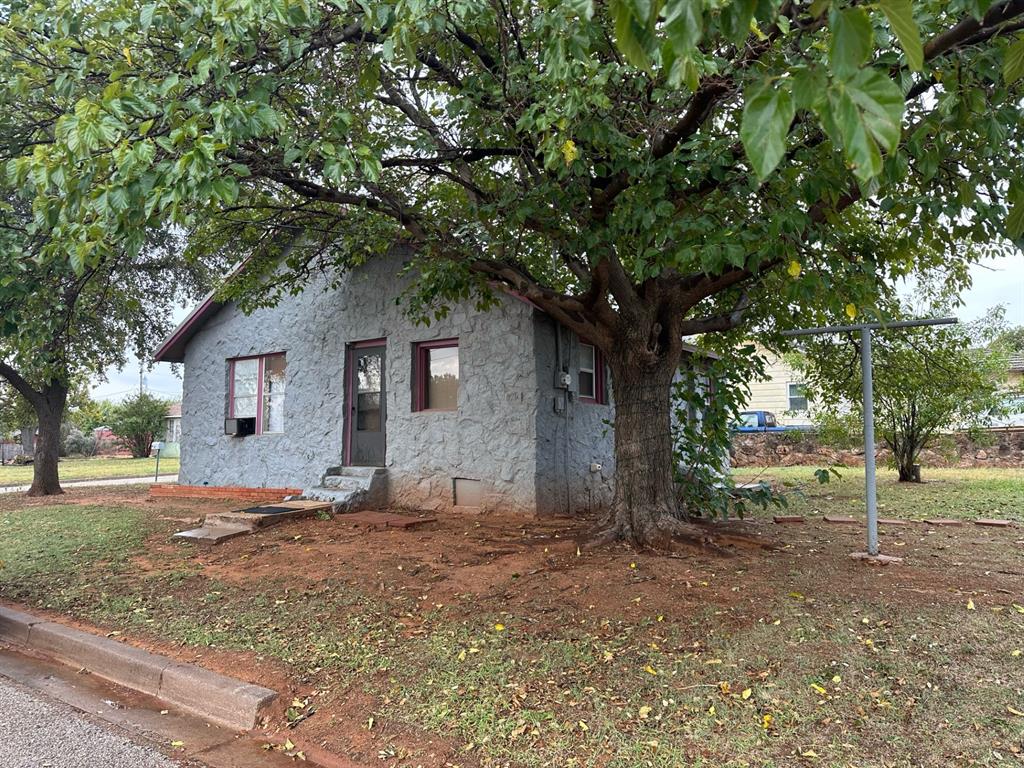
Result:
[[39, 732]]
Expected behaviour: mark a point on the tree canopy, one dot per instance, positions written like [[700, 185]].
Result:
[[641, 171]]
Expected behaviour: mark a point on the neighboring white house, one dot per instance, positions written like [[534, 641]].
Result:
[[172, 431], [781, 392]]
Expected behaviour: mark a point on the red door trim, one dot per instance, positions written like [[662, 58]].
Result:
[[349, 378]]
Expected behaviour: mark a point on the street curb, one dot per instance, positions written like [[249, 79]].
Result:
[[223, 700]]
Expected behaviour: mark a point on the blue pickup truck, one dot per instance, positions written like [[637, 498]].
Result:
[[758, 421]]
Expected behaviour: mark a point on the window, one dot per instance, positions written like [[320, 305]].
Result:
[[591, 375], [173, 430], [437, 375], [797, 397], [257, 392]]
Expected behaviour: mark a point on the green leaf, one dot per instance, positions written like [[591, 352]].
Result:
[[1015, 218], [684, 24], [767, 115], [146, 17], [1013, 64], [881, 102], [736, 18], [629, 34], [900, 14], [852, 41], [860, 149]]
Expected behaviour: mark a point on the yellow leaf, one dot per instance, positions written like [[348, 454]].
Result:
[[809, 753], [127, 55], [645, 711], [1018, 608], [724, 686], [569, 151], [369, 723], [837, 679], [177, 744], [499, 627], [970, 605], [851, 311], [1014, 711], [818, 689], [608, 655], [578, 553], [462, 655], [661, 618], [584, 726], [766, 722], [632, 565], [650, 670], [776, 622], [288, 746], [713, 661], [794, 269], [1015, 652], [746, 693], [711, 710]]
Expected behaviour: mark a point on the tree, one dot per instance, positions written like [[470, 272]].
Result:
[[60, 326], [640, 171], [1012, 339], [137, 421], [926, 380]]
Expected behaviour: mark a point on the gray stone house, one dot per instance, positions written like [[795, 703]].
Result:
[[503, 409]]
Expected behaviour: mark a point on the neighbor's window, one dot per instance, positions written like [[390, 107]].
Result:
[[437, 375], [797, 397], [591, 374], [257, 391]]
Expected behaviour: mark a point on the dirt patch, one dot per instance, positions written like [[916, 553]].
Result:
[[501, 578]]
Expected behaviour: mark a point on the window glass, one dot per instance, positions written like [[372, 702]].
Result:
[[245, 388], [441, 390], [588, 366], [273, 393], [368, 386], [797, 397]]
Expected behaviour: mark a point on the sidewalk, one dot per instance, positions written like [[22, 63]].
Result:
[[96, 483]]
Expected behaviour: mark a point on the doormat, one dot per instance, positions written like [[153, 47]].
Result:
[[267, 510]]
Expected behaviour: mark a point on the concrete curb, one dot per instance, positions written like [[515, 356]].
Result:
[[223, 700]]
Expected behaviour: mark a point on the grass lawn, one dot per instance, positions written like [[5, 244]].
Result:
[[947, 493], [492, 641], [92, 469]]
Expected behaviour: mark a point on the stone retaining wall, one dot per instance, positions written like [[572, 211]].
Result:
[[997, 448]]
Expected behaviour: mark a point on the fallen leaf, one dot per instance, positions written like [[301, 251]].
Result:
[[177, 744], [818, 689], [1014, 711], [970, 605], [499, 627], [746, 693], [584, 726], [645, 712], [650, 670], [837, 679]]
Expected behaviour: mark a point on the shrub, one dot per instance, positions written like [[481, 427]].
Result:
[[137, 421]]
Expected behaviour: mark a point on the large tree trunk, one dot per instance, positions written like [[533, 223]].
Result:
[[49, 407], [644, 509]]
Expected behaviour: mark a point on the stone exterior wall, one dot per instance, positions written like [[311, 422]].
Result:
[[491, 437], [571, 435], [997, 448]]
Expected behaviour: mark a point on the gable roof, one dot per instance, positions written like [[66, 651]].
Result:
[[172, 350]]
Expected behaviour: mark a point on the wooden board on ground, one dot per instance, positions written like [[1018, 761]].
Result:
[[373, 519]]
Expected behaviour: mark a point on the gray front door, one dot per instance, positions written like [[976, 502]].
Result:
[[367, 413]]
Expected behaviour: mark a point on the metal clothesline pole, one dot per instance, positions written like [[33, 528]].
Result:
[[867, 390]]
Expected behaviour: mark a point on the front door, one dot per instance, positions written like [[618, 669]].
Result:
[[366, 408]]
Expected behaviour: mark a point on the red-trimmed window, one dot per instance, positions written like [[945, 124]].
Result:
[[257, 391], [590, 379], [436, 366]]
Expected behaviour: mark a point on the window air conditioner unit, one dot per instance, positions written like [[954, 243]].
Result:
[[239, 427]]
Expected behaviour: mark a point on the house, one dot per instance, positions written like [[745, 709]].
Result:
[[1015, 372], [487, 409], [781, 391], [172, 431]]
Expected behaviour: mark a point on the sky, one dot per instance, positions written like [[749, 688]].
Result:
[[995, 281]]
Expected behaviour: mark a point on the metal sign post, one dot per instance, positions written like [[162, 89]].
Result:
[[867, 387], [157, 446]]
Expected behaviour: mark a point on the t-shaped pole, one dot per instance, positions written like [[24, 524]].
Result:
[[867, 391]]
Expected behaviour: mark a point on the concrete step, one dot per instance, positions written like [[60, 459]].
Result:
[[293, 510], [368, 472], [340, 499], [213, 534], [346, 483]]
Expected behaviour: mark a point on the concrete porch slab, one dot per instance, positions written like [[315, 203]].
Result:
[[213, 534]]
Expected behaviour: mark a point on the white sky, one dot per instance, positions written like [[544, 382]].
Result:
[[995, 281]]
